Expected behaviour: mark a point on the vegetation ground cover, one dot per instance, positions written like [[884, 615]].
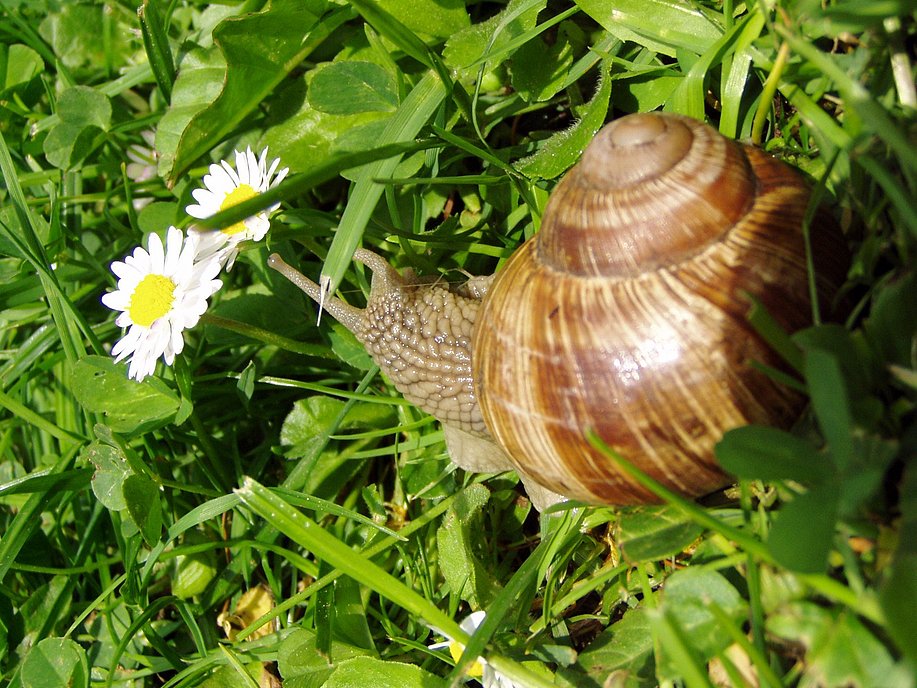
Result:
[[266, 508]]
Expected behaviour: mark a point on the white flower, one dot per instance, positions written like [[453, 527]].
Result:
[[480, 670], [161, 292], [225, 187], [143, 164]]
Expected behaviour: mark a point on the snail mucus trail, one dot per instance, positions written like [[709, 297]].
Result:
[[624, 315]]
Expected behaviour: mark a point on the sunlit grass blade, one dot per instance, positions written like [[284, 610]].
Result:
[[312, 537]]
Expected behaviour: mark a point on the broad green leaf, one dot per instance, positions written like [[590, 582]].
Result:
[[756, 452], [67, 145], [302, 666], [663, 26], [348, 88], [802, 534], [159, 214], [350, 623], [644, 92], [308, 137], [839, 649], [230, 676], [22, 65], [348, 348], [361, 672], [260, 49], [686, 600], [193, 572], [624, 648], [84, 114], [455, 540], [74, 33], [314, 415], [111, 471], [565, 147], [831, 404], [55, 662], [651, 533], [540, 71], [466, 48], [431, 20], [142, 498], [101, 386], [199, 82], [892, 325]]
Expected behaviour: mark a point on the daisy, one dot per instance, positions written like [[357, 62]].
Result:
[[225, 187], [161, 292], [480, 670], [142, 165]]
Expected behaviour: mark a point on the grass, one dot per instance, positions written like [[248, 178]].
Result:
[[268, 506]]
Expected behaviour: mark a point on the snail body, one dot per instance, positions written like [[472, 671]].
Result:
[[624, 316]]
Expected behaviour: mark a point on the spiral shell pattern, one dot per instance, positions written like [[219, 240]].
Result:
[[625, 315]]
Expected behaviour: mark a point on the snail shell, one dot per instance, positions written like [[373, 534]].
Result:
[[624, 316], [634, 322]]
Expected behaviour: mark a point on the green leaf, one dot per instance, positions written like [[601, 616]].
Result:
[[142, 498], [756, 452], [347, 88], [193, 572], [361, 672], [429, 19], [348, 348], [687, 596], [892, 325], [686, 600], [466, 48], [84, 114], [302, 666], [624, 649], [260, 50], [663, 26], [198, 83], [111, 471], [308, 137], [456, 539], [22, 65], [85, 107], [802, 534], [540, 71], [565, 147], [651, 533], [75, 31], [830, 402], [55, 662], [839, 649], [101, 386]]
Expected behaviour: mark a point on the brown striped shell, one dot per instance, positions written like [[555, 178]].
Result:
[[625, 315]]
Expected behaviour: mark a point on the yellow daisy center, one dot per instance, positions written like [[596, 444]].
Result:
[[241, 193], [152, 299], [456, 650]]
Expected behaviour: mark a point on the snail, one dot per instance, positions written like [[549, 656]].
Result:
[[625, 315]]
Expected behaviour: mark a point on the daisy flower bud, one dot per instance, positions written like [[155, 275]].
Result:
[[161, 292], [225, 187]]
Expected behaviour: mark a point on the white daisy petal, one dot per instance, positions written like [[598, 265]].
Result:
[[162, 292]]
